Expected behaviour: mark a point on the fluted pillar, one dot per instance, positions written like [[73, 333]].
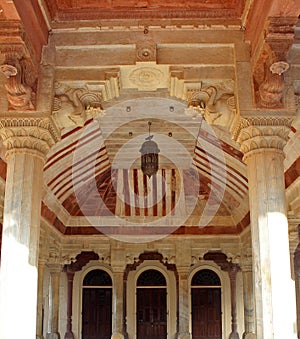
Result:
[[262, 140], [55, 271], [184, 315], [27, 140]]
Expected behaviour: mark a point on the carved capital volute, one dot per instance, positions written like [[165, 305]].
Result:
[[262, 132], [36, 133]]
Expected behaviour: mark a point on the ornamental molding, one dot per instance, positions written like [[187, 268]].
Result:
[[35, 133], [262, 132], [146, 50], [146, 78]]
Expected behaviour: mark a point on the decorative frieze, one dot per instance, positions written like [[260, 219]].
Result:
[[35, 133]]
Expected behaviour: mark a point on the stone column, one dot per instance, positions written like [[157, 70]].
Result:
[[232, 272], [249, 319], [39, 319], [297, 283], [184, 314], [55, 271], [117, 319], [69, 334], [27, 140], [262, 139]]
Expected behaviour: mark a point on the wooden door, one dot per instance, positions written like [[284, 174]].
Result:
[[96, 313], [206, 313], [151, 313]]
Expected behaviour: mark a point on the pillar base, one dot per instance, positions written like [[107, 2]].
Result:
[[39, 336], [52, 336], [117, 336], [234, 335], [185, 335], [69, 335], [249, 336]]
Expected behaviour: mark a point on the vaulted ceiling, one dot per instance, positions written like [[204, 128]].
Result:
[[103, 69]]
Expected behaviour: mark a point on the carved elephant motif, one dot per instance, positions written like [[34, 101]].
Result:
[[219, 111]]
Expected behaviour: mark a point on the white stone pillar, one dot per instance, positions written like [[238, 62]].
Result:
[[55, 272], [262, 140], [249, 318], [39, 319], [184, 314], [297, 284], [117, 319], [27, 140]]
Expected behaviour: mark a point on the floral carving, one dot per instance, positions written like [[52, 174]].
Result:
[[258, 132], [146, 78], [38, 134]]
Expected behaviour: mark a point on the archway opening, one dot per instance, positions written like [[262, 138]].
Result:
[[97, 305], [206, 305], [151, 305]]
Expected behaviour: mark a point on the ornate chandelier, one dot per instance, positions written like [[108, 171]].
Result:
[[149, 155]]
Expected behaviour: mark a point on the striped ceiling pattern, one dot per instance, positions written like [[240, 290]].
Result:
[[80, 176]]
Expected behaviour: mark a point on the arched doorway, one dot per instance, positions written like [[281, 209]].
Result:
[[97, 305], [151, 298], [206, 305]]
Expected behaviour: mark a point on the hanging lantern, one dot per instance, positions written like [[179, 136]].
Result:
[[149, 158]]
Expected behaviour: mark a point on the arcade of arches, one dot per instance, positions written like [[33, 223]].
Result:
[[207, 246]]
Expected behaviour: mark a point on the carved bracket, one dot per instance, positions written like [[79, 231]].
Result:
[[214, 101], [73, 106], [269, 68], [21, 80]]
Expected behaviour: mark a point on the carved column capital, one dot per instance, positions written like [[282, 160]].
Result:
[[262, 132], [55, 267], [38, 134]]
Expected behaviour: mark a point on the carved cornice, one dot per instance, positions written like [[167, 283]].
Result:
[[35, 133], [262, 132]]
